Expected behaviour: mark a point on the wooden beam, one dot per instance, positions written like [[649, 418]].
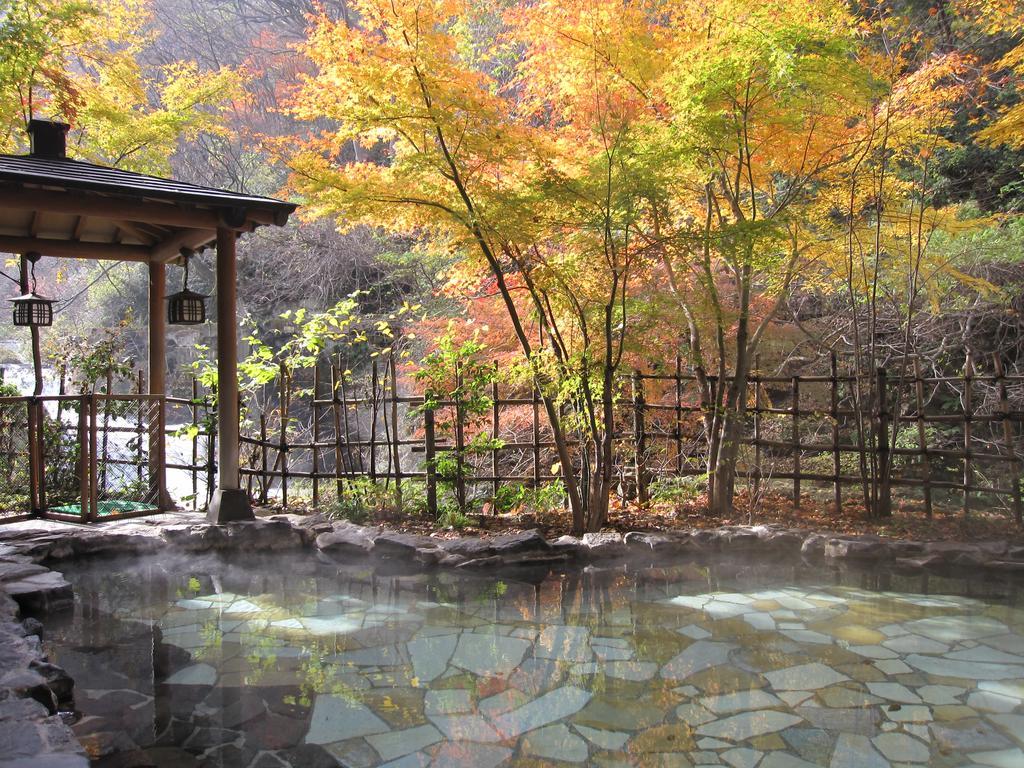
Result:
[[137, 232], [170, 247], [69, 249], [118, 209], [76, 234]]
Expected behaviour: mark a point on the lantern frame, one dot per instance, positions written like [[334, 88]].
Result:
[[32, 310], [186, 307]]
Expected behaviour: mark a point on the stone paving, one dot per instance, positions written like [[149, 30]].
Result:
[[339, 665], [608, 666]]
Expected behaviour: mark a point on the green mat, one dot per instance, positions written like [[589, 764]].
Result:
[[104, 508]]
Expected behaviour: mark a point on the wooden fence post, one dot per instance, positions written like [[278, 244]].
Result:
[[93, 510], [34, 424], [968, 431], [883, 504], [758, 405], [211, 455], [339, 461], [140, 429], [374, 386], [194, 413], [639, 438], [796, 442], [460, 441], [396, 441], [315, 450], [283, 445], [1011, 452], [105, 443], [837, 490], [536, 435], [679, 416], [348, 431], [429, 468], [495, 431], [922, 438]]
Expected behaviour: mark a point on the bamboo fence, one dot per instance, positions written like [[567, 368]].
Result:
[[957, 442]]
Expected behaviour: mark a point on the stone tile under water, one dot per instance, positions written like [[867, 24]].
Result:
[[283, 662]]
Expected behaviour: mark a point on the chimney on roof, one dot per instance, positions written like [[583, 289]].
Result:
[[48, 138]]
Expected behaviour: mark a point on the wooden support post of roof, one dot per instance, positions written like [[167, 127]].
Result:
[[230, 502], [158, 376]]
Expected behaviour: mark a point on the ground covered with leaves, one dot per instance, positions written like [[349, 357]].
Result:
[[908, 520]]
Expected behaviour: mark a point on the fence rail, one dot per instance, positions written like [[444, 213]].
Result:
[[799, 434], [951, 441]]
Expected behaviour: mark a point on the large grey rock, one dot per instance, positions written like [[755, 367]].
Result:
[[41, 592], [262, 535], [814, 545], [430, 556], [394, 545], [954, 553], [569, 545], [606, 545], [504, 545], [195, 538], [19, 741], [20, 568], [91, 543], [57, 680], [22, 710], [26, 683], [480, 563], [905, 548], [346, 539], [710, 541], [9, 610], [778, 540], [860, 549], [739, 539], [657, 543], [1009, 566], [469, 547], [519, 543]]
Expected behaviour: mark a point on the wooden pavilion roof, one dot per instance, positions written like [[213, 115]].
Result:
[[69, 208]]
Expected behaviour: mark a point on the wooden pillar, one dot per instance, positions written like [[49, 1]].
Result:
[[36, 414], [639, 439], [157, 381], [229, 502]]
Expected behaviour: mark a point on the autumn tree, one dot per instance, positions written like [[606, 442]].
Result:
[[81, 62], [762, 98], [544, 205]]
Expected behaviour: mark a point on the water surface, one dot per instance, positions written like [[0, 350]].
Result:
[[288, 660]]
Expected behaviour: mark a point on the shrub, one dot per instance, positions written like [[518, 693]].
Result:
[[678, 490]]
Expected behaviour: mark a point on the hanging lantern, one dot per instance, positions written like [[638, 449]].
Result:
[[32, 310], [186, 307]]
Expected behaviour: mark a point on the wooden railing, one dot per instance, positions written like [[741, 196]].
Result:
[[952, 443]]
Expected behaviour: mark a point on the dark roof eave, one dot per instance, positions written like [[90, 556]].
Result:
[[87, 177]]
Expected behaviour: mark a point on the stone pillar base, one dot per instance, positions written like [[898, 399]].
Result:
[[229, 505]]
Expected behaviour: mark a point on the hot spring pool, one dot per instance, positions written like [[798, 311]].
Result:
[[290, 661]]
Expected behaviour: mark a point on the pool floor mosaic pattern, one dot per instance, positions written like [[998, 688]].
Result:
[[666, 667]]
